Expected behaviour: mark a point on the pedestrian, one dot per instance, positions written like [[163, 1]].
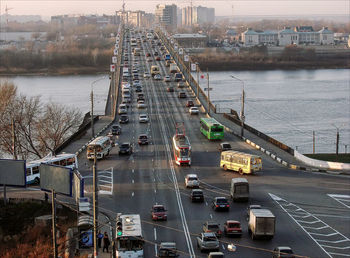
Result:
[[99, 239], [106, 242]]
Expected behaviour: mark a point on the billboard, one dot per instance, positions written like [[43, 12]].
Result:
[[56, 178], [13, 172]]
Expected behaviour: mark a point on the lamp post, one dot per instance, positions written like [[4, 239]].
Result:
[[242, 105], [92, 105], [337, 139]]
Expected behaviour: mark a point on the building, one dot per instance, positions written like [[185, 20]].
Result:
[[326, 36], [191, 40], [197, 15], [287, 36], [166, 15], [135, 18], [250, 38]]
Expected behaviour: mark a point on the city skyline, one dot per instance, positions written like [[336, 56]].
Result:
[[222, 8]]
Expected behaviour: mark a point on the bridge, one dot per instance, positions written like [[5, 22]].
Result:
[[311, 206]]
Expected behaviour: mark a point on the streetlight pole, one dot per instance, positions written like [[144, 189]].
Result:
[[242, 105], [337, 139]]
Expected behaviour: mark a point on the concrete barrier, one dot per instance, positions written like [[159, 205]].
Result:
[[273, 156]]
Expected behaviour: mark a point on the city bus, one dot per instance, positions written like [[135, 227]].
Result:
[[129, 240], [241, 162], [211, 129], [102, 145], [65, 159], [181, 148]]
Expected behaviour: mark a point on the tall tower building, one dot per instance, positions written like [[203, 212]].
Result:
[[166, 15]]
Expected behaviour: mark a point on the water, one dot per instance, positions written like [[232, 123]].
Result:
[[289, 105], [73, 91]]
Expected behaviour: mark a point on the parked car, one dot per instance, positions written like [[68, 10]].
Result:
[[167, 78], [207, 242], [225, 146], [158, 212], [283, 252], [232, 228], [191, 180], [197, 195], [125, 148], [194, 111], [189, 103], [116, 130], [211, 226], [123, 119], [143, 139], [220, 203], [143, 118]]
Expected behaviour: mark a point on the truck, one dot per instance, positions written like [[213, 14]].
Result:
[[261, 223], [208, 241], [239, 189], [173, 68]]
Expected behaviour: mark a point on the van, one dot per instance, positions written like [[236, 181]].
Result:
[[154, 70], [239, 190]]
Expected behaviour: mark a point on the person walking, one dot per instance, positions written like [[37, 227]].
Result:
[[106, 242], [99, 239]]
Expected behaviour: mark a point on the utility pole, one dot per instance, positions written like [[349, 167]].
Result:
[[208, 93], [346, 148], [197, 68], [95, 204], [313, 142], [242, 113], [92, 114], [53, 207], [337, 142]]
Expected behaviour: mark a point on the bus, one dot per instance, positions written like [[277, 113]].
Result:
[[212, 129], [102, 145], [181, 148], [65, 159], [241, 162], [129, 240]]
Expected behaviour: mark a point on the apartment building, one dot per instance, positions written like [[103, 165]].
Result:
[[166, 15], [197, 15]]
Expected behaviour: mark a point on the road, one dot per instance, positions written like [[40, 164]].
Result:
[[310, 221]]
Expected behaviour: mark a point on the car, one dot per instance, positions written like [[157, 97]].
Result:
[[140, 96], [148, 54], [225, 146], [143, 118], [178, 77], [194, 111], [158, 58], [170, 89], [137, 83], [125, 148], [208, 241], [197, 195], [167, 249], [157, 77], [116, 129], [158, 212], [143, 139], [216, 255], [146, 75], [283, 252], [123, 119], [189, 103], [141, 104], [122, 109], [149, 59], [168, 62], [181, 84], [167, 78], [138, 89], [191, 180], [155, 53], [182, 95], [232, 228], [220, 203], [126, 100], [211, 226], [250, 207]]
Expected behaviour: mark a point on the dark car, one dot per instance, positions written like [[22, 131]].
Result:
[[220, 203], [116, 129], [225, 146], [125, 148], [211, 226], [232, 228], [170, 89], [158, 212], [178, 77], [138, 89], [123, 119], [283, 252], [155, 53], [189, 103], [158, 58], [143, 139], [197, 195], [182, 95]]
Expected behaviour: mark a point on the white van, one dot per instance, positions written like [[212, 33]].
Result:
[[239, 189]]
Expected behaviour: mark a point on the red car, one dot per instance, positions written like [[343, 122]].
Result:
[[189, 103], [158, 212], [232, 228], [158, 58]]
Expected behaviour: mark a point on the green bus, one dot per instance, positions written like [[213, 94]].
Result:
[[212, 129]]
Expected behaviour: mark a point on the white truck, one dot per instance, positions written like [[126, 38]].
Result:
[[173, 68], [261, 223]]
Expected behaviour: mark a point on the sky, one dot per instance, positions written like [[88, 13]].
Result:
[[48, 8]]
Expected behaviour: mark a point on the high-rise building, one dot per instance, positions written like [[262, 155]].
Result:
[[197, 15], [166, 15], [136, 18]]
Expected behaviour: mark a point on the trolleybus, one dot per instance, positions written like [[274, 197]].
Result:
[[212, 129], [181, 147], [102, 145]]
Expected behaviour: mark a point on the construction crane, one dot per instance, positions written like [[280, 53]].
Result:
[[7, 9]]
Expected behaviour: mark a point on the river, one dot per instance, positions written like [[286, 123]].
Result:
[[287, 105]]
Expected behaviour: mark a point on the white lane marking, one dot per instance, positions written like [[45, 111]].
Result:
[[310, 230], [132, 181], [132, 194], [341, 198], [155, 250], [211, 216], [155, 233], [133, 170], [337, 254], [155, 191], [206, 203], [223, 246]]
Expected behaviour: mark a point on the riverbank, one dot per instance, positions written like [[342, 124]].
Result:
[[76, 70]]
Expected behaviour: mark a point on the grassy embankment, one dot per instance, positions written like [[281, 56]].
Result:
[[343, 158]]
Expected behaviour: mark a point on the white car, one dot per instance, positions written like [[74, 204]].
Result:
[[141, 104], [194, 111], [167, 78], [146, 75], [126, 85], [157, 77], [191, 180], [143, 118]]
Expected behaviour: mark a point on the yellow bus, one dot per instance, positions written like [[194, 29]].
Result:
[[241, 162]]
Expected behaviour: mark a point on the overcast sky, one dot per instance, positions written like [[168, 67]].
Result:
[[222, 7]]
